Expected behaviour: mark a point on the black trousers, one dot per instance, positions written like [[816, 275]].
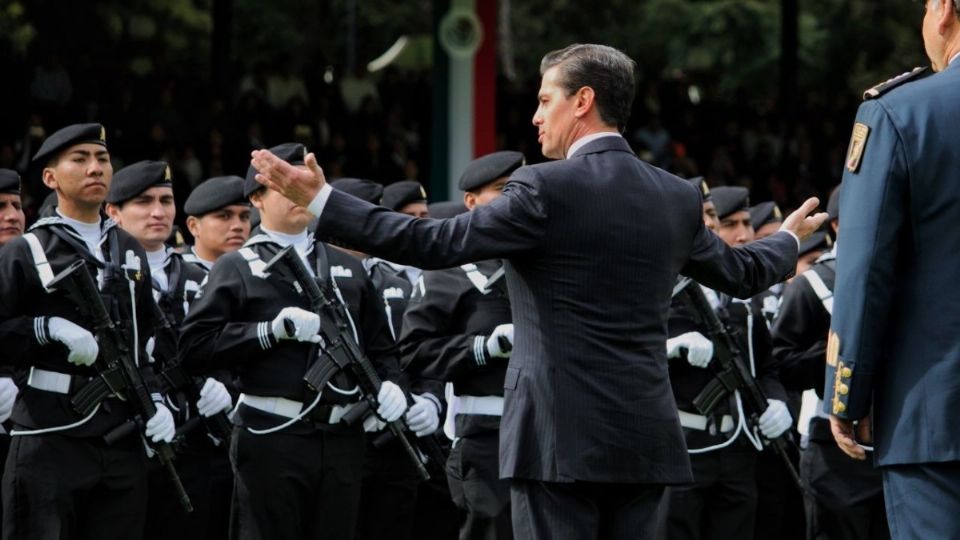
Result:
[[780, 505], [473, 473], [296, 487], [722, 501], [846, 495], [57, 487], [923, 500], [208, 479], [389, 494], [584, 510]]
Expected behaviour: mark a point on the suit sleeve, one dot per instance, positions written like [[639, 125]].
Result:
[[511, 224], [19, 334], [800, 337], [874, 209], [210, 337]]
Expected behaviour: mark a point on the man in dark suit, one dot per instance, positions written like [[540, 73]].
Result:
[[893, 354], [594, 243]]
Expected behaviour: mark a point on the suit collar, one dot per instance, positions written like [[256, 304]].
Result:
[[614, 141]]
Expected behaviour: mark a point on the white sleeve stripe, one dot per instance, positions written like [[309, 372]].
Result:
[[263, 336], [38, 330], [478, 346]]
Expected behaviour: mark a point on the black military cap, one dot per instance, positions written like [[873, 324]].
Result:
[[136, 178], [488, 168], [700, 183], [214, 194], [764, 213], [64, 138], [730, 199], [818, 241], [292, 153], [9, 181], [367, 190], [400, 194], [833, 205], [446, 209]]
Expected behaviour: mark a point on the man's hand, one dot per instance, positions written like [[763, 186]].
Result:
[[214, 398], [392, 402], [422, 417], [847, 435], [500, 342], [801, 223], [775, 420], [161, 426], [699, 349], [294, 183], [78, 340], [8, 396]]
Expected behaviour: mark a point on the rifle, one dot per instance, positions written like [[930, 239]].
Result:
[[174, 379], [734, 375], [114, 366], [339, 349]]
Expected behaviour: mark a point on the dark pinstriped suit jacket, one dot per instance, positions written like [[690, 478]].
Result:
[[594, 244]]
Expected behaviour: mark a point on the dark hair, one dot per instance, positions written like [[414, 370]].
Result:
[[609, 72]]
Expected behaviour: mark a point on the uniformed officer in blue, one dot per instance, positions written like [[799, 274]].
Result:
[[893, 356]]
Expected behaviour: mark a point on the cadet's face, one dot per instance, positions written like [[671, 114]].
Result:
[[12, 220], [220, 231], [805, 261], [710, 216], [148, 217], [766, 230], [554, 118], [81, 176], [736, 229], [485, 195], [415, 209], [279, 213]]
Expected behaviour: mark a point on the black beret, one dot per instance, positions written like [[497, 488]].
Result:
[[765, 212], [446, 209], [214, 194], [136, 178], [66, 137], [730, 199], [292, 153], [367, 190], [400, 194], [9, 181], [818, 241], [488, 168], [700, 183], [833, 205]]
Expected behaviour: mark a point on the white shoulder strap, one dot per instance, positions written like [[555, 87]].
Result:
[[473, 274], [39, 259], [819, 287], [254, 261]]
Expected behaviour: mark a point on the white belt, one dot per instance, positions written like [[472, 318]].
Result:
[[289, 408], [51, 381], [696, 421], [488, 405]]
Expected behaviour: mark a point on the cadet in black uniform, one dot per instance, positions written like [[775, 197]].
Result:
[[62, 480], [846, 500], [297, 466], [458, 329], [141, 201], [723, 447], [218, 217], [766, 218], [389, 495]]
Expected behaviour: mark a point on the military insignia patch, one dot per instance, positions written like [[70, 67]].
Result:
[[166, 174], [858, 142], [833, 348], [103, 134]]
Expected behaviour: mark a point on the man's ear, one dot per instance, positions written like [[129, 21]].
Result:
[[49, 179], [585, 101], [469, 200], [193, 225], [113, 211]]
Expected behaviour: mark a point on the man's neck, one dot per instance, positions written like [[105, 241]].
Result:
[[590, 137], [81, 213], [205, 254]]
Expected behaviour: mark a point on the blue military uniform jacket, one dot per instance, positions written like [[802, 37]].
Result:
[[895, 339]]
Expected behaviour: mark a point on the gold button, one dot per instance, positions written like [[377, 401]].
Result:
[[843, 389], [838, 407], [846, 373]]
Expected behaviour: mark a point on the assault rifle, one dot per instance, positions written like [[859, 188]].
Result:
[[117, 373], [734, 375], [338, 350]]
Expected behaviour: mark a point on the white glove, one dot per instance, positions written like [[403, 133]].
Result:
[[81, 343], [150, 347], [493, 342], [423, 418], [392, 402], [372, 424], [775, 420], [306, 325], [8, 395], [699, 349], [213, 398], [161, 426]]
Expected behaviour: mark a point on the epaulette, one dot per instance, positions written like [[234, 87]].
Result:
[[890, 84]]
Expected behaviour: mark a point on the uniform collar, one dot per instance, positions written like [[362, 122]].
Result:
[[579, 143]]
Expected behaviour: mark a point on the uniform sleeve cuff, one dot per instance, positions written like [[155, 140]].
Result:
[[320, 201], [795, 237]]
